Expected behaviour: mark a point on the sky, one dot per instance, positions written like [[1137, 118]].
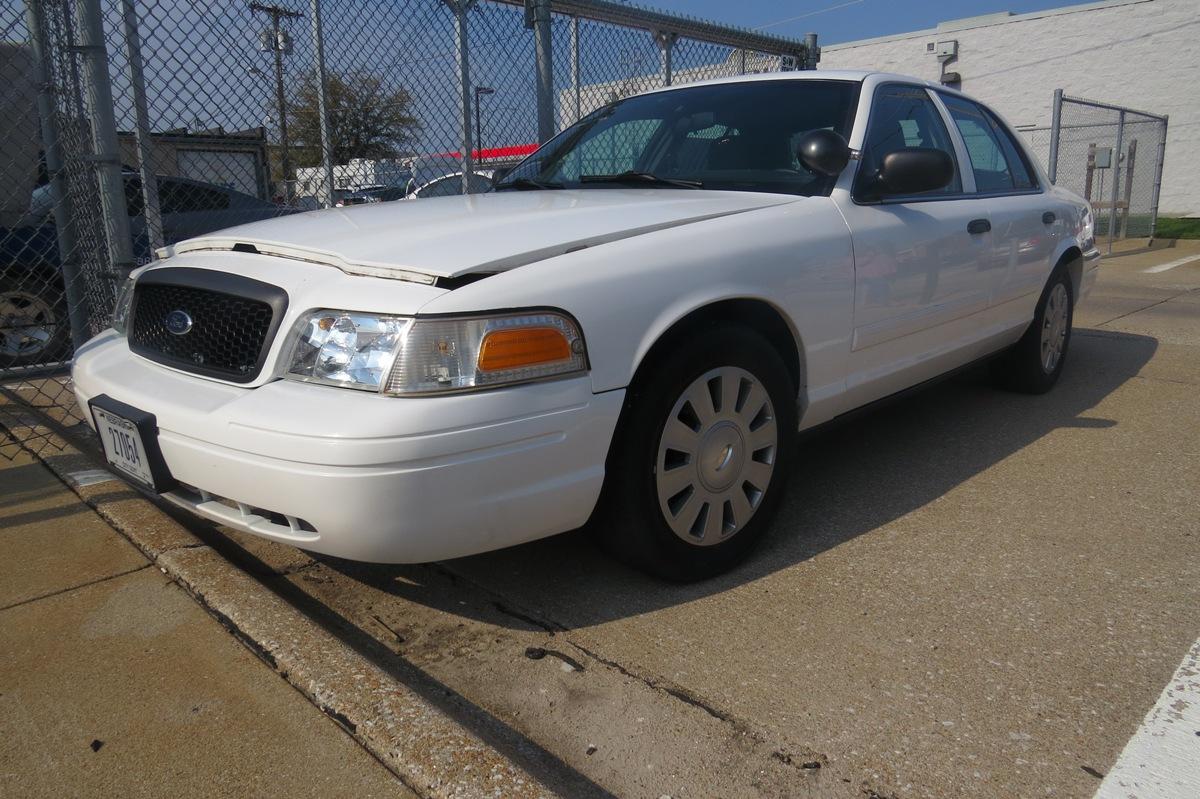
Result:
[[845, 20]]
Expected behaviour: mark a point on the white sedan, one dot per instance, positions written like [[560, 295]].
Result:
[[629, 330]]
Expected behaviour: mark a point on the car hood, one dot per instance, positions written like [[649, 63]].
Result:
[[445, 237]]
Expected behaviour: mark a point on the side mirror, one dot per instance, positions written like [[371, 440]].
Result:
[[913, 170], [824, 152]]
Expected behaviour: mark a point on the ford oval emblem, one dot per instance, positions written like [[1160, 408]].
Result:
[[178, 322]]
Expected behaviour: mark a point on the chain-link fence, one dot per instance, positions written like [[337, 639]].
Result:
[[1112, 156], [127, 125]]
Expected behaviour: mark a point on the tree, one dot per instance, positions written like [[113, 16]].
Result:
[[366, 118]]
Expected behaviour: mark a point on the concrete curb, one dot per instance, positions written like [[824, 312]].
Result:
[[431, 752]]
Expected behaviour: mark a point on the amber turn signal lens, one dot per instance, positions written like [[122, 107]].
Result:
[[522, 346]]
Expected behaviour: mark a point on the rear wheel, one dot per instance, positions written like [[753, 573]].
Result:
[[1033, 364], [701, 456]]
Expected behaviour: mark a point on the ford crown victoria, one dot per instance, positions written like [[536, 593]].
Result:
[[629, 329]]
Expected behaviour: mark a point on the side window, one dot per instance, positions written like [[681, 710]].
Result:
[[1018, 166], [995, 161], [904, 116]]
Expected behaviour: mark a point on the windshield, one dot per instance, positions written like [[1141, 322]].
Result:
[[730, 136]]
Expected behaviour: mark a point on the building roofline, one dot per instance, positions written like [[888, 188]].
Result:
[[983, 21]]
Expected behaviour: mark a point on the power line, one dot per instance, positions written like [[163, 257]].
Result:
[[809, 14]]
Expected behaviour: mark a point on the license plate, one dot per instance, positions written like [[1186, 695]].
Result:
[[129, 439]]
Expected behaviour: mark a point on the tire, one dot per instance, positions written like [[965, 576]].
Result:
[[691, 487], [1033, 364], [33, 321]]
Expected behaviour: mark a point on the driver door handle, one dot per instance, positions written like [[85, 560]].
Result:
[[976, 226]]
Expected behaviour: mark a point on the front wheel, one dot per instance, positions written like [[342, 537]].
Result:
[[701, 456], [1033, 364]]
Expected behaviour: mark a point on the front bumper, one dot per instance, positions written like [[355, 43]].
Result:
[[373, 478]]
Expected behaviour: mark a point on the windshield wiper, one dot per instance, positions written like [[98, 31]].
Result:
[[645, 178], [527, 184]]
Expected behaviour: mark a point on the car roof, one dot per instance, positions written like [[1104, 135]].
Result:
[[854, 75]]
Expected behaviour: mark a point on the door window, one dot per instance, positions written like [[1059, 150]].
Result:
[[995, 161], [904, 116]]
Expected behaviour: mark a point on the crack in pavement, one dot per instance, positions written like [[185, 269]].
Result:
[[808, 762], [68, 589]]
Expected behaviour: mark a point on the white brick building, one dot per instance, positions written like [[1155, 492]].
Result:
[[1139, 53]]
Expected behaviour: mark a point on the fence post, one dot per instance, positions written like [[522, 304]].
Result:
[[812, 53], [107, 155], [1129, 164], [1055, 132], [466, 155], [666, 48], [145, 143], [64, 219], [1158, 170], [1116, 180], [575, 88], [537, 17], [322, 102]]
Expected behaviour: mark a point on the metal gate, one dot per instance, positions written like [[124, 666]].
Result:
[[1110, 155]]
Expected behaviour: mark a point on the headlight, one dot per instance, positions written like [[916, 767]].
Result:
[[120, 314], [343, 348], [405, 356], [1087, 226]]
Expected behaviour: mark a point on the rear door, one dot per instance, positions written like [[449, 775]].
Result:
[[1025, 225]]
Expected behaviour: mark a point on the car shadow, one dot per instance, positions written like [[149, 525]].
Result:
[[850, 479]]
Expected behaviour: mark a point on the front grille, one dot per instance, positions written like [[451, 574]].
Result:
[[232, 321]]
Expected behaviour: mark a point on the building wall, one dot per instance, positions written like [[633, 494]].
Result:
[[1139, 53], [237, 161]]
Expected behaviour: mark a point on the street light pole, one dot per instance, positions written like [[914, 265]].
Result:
[[277, 47], [480, 91]]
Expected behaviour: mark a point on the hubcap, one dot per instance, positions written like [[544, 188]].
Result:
[[1054, 327], [27, 324], [716, 456]]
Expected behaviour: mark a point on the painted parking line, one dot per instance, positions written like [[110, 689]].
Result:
[[1172, 264], [1162, 759]]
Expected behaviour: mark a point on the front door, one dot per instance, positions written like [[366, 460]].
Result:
[[917, 259]]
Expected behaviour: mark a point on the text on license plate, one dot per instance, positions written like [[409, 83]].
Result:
[[123, 446]]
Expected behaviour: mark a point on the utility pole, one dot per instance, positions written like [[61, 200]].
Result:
[[278, 45]]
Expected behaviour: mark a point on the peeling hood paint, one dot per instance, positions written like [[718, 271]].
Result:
[[421, 240]]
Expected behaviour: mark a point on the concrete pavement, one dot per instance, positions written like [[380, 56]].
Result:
[[113, 682], [970, 593]]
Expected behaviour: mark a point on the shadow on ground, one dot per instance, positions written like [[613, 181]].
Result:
[[850, 479]]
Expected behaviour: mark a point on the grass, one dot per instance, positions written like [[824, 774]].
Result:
[[1169, 227], [1172, 227]]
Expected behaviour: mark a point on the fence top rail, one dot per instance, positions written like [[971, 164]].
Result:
[[632, 16], [1111, 107]]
